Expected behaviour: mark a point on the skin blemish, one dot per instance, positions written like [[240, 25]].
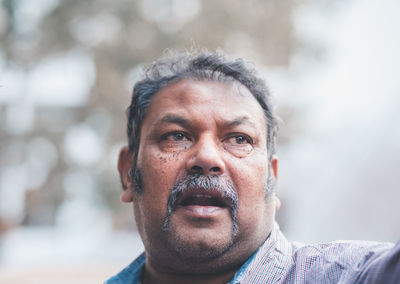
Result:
[[176, 154], [162, 159]]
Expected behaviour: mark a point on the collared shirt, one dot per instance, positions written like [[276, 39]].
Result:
[[279, 261]]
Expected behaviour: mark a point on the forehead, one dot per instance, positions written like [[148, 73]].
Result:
[[206, 100]]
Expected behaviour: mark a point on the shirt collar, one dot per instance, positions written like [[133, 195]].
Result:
[[130, 274], [270, 257], [270, 261]]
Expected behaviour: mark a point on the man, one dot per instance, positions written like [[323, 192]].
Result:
[[200, 171]]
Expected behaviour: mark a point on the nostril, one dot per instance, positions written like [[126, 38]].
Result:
[[197, 169], [215, 169]]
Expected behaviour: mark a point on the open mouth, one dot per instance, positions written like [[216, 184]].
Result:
[[210, 198], [202, 200]]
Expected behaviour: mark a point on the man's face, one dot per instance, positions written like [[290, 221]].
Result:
[[204, 166]]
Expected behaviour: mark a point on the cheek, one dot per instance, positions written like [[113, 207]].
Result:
[[160, 167], [252, 196], [255, 214], [159, 173], [250, 182], [250, 176], [153, 160]]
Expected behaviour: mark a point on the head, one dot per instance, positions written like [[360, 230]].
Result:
[[201, 164]]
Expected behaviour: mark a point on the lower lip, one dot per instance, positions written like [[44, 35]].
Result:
[[203, 211]]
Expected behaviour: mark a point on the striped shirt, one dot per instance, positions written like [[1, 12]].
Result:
[[279, 261]]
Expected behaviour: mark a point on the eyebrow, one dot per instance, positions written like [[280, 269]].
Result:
[[174, 119], [239, 121], [180, 120]]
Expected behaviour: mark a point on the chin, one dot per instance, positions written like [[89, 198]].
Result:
[[199, 247]]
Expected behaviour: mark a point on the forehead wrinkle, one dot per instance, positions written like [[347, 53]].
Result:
[[189, 96]]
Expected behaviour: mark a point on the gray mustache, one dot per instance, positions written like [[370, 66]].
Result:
[[198, 181]]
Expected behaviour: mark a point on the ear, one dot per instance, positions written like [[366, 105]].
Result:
[[277, 203], [274, 169], [124, 167], [274, 166]]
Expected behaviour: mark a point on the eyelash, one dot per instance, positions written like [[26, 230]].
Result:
[[235, 135], [232, 135], [164, 136]]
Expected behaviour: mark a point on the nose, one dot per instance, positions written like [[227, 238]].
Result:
[[206, 158]]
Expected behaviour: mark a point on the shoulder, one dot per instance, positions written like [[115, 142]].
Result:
[[281, 261], [345, 252], [334, 261], [383, 268]]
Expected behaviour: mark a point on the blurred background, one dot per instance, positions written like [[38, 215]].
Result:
[[67, 69]]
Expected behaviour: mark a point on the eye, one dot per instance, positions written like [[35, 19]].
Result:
[[238, 144], [239, 139], [175, 136], [175, 141], [178, 136]]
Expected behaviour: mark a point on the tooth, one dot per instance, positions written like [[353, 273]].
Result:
[[202, 196]]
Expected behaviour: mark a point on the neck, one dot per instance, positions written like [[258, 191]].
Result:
[[152, 276]]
